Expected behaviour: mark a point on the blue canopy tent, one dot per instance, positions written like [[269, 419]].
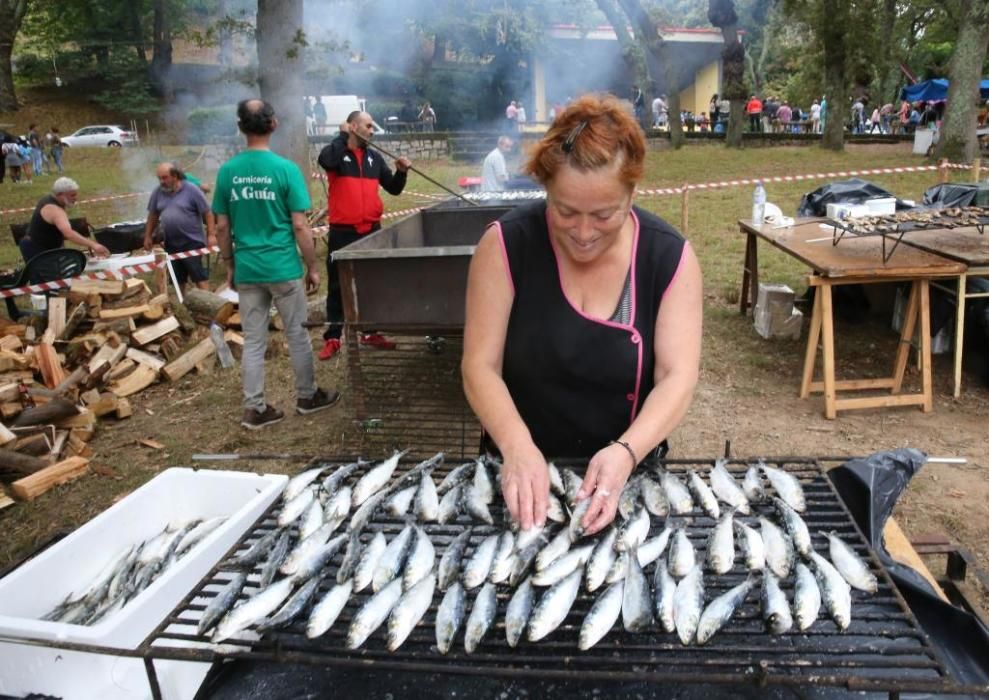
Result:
[[935, 90]]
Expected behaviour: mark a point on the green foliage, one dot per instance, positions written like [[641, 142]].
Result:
[[128, 89], [210, 124]]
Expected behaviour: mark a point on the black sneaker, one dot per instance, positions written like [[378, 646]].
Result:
[[320, 400], [255, 420]]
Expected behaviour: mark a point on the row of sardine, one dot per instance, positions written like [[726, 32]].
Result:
[[404, 574], [129, 572]]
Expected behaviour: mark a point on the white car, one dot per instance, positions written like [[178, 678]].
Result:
[[105, 136]]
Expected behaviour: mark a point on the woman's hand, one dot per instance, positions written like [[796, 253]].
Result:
[[525, 485], [606, 475]]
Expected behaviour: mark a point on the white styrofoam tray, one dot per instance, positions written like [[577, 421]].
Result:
[[176, 495]]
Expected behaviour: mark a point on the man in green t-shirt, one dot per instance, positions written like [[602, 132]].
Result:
[[260, 205]]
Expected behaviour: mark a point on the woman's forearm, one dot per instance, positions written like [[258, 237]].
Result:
[[489, 398]]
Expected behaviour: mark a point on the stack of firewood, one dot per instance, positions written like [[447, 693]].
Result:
[[103, 341]]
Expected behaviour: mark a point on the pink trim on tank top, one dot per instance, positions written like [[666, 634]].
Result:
[[630, 328], [504, 255]]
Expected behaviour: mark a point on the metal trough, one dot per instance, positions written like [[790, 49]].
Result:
[[411, 276]]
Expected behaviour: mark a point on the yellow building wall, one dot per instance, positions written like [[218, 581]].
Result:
[[706, 84], [687, 98]]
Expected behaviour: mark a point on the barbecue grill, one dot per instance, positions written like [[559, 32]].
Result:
[[894, 227], [884, 649]]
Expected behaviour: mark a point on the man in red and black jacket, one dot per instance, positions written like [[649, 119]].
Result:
[[354, 172]]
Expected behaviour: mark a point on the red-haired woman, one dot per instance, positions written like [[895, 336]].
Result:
[[583, 327]]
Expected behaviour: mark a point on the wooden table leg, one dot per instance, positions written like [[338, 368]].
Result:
[[926, 374], [827, 327], [959, 331], [810, 355], [906, 337], [750, 274]]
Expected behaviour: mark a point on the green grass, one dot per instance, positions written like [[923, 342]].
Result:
[[713, 230]]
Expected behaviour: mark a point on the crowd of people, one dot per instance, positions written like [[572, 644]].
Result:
[[24, 157]]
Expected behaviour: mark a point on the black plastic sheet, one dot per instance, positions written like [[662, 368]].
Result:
[[956, 194], [853, 191], [870, 488]]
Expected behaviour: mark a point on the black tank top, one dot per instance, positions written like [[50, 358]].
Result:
[[578, 382], [44, 235]]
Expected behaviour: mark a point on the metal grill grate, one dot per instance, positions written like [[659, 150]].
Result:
[[883, 649], [411, 396]]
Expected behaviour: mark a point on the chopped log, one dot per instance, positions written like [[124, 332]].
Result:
[[6, 436], [171, 347], [11, 343], [123, 368], [187, 322], [159, 279], [30, 487], [234, 321], [125, 312], [10, 392], [49, 365], [109, 354], [140, 379], [61, 437], [120, 326], [36, 445], [17, 329], [84, 419], [147, 334], [86, 434], [206, 306], [135, 286], [56, 315], [139, 297], [48, 337], [6, 501], [14, 465], [90, 397], [10, 409], [17, 376], [206, 366], [158, 300], [183, 365], [124, 409], [30, 333], [72, 322], [77, 447], [87, 286], [11, 361], [145, 358], [70, 382], [96, 376], [51, 412], [106, 404], [154, 313]]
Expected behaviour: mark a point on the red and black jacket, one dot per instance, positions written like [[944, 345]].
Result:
[[354, 177]]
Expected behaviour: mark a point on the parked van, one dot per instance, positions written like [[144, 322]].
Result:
[[338, 108]]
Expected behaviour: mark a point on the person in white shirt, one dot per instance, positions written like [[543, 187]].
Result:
[[494, 172]]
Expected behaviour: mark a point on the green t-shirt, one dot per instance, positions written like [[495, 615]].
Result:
[[258, 191]]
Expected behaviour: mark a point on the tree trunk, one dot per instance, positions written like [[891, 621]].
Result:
[[225, 57], [11, 15], [835, 61], [958, 140], [888, 70], [281, 65], [136, 31], [161, 60], [632, 54], [677, 138], [721, 13]]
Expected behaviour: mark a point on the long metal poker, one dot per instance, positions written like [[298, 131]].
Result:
[[416, 170]]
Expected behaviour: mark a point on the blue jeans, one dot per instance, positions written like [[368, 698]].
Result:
[[57, 157], [255, 304], [36, 160]]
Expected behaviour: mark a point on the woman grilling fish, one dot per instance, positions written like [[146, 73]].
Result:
[[583, 325]]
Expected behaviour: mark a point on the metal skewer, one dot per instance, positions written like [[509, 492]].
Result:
[[415, 170]]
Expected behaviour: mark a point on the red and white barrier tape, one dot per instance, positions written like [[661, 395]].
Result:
[[793, 178], [81, 201], [122, 273]]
